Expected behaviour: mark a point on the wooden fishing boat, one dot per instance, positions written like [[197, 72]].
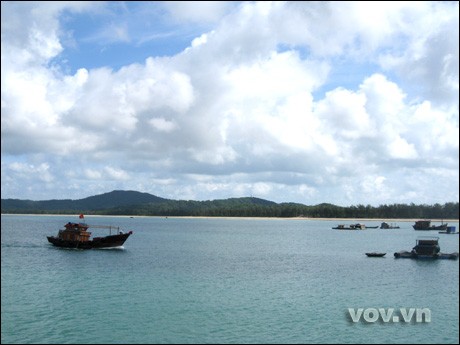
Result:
[[385, 225], [77, 236], [426, 225], [426, 248]]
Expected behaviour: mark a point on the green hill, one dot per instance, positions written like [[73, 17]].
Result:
[[116, 198]]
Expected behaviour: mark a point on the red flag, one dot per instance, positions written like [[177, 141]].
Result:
[[82, 216]]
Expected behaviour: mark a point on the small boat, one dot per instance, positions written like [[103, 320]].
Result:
[[343, 227], [385, 225], [356, 226], [375, 255], [426, 248], [450, 231], [426, 225], [77, 236]]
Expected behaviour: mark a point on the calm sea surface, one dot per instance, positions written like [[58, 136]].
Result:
[[236, 281]]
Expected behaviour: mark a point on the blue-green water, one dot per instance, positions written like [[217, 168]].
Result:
[[221, 281]]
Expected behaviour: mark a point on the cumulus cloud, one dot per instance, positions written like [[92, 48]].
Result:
[[248, 108]]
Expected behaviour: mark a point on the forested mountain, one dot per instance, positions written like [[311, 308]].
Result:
[[136, 203], [116, 198]]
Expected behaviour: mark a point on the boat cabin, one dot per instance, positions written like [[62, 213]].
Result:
[[75, 232], [427, 246], [422, 224]]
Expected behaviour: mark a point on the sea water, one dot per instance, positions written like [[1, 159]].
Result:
[[192, 280]]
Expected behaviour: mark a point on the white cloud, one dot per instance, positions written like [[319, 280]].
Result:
[[116, 174], [30, 31], [345, 114], [241, 107], [214, 156], [374, 185], [277, 76], [162, 124], [262, 189], [93, 174], [29, 172], [430, 59]]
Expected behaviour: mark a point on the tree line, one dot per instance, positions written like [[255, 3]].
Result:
[[142, 204], [284, 210]]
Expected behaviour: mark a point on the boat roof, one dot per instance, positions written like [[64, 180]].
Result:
[[428, 238]]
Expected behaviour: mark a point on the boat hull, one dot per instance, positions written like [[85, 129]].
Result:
[[410, 255], [98, 242], [376, 255], [337, 228]]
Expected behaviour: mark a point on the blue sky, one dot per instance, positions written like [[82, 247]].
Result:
[[124, 33], [345, 102]]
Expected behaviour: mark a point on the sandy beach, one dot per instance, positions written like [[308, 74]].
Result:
[[351, 220]]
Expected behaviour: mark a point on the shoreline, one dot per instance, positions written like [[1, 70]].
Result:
[[352, 220]]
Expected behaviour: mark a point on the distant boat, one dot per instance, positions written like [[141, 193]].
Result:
[[77, 236], [357, 226], [426, 225], [426, 248], [450, 231], [385, 225], [349, 227], [375, 255]]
